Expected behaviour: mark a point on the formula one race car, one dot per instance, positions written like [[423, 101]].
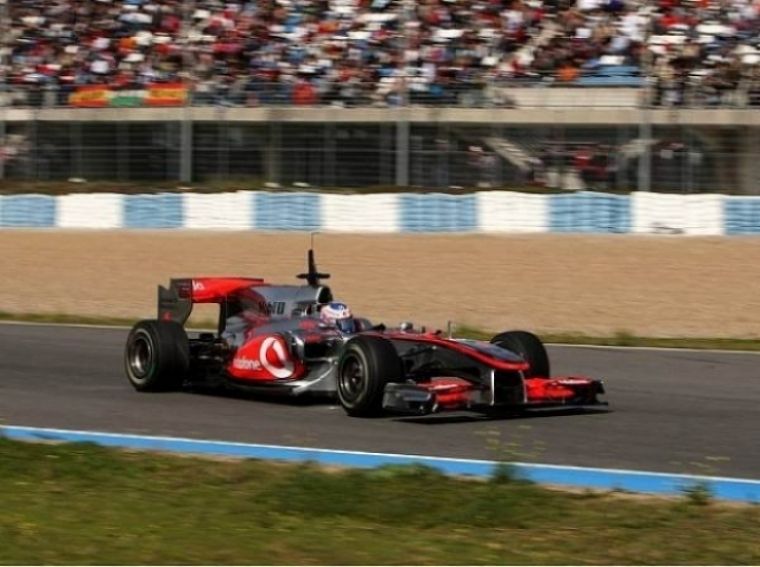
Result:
[[295, 339]]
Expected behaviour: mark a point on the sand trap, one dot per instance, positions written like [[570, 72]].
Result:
[[655, 286]]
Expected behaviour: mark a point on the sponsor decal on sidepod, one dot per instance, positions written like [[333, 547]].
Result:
[[274, 358], [266, 360]]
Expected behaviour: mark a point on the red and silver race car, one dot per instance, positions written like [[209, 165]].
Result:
[[280, 339]]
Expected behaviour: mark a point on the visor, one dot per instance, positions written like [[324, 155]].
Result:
[[347, 325]]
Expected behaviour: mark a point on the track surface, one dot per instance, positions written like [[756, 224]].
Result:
[[672, 411]]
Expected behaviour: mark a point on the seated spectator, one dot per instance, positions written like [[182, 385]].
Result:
[[379, 52]]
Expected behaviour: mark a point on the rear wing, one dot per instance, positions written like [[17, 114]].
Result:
[[175, 303]]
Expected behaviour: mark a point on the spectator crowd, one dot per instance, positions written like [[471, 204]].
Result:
[[383, 52]]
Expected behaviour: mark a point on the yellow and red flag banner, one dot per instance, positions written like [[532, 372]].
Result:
[[90, 96], [166, 94], [155, 94]]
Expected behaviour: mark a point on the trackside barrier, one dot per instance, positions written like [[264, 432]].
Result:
[[482, 212], [743, 490]]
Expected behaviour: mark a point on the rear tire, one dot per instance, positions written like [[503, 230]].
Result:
[[528, 346], [157, 356], [365, 367]]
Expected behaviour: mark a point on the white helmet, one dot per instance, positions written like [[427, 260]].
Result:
[[339, 315]]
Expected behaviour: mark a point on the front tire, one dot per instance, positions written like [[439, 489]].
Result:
[[365, 367], [530, 348], [157, 356]]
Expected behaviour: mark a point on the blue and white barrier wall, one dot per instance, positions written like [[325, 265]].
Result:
[[483, 212]]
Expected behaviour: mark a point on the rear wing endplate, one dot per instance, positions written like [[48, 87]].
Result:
[[176, 302]]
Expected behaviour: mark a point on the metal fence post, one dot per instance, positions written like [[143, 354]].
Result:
[[402, 124], [222, 171], [33, 164], [644, 181], [402, 152], [186, 147], [77, 159], [272, 153], [186, 126], [122, 151], [330, 157], [442, 149], [4, 98], [2, 139]]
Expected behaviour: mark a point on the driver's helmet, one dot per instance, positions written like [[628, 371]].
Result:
[[339, 315]]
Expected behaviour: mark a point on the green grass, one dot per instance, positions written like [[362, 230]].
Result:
[[621, 338], [82, 504]]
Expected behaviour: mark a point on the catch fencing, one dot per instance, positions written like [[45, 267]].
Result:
[[243, 152], [482, 212]]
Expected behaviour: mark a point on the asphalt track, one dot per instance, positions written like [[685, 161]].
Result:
[[671, 411]]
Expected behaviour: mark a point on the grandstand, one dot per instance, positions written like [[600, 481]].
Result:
[[431, 93]]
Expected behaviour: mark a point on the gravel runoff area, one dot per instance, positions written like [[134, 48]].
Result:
[[597, 285]]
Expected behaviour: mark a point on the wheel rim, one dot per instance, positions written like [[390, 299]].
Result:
[[140, 356], [352, 379]]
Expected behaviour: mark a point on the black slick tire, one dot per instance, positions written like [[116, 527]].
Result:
[[366, 365], [530, 348], [157, 356]]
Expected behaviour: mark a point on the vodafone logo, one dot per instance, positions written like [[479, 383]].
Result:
[[198, 286], [275, 359], [246, 364]]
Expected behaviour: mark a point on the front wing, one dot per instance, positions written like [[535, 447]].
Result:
[[441, 394]]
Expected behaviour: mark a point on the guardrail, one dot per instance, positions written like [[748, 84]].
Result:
[[482, 212]]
